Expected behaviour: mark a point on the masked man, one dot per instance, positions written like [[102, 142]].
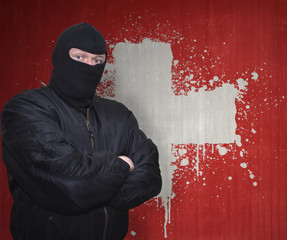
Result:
[[76, 162]]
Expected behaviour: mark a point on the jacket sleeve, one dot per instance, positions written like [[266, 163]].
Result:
[[144, 182], [47, 166]]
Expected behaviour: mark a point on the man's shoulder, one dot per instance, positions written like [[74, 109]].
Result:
[[35, 96], [30, 93], [111, 107], [109, 104]]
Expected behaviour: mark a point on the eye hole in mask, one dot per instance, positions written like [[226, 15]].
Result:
[[86, 57]]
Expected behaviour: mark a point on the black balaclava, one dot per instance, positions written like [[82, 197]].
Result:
[[75, 82]]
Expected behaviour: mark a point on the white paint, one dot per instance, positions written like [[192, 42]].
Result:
[[251, 174], [254, 75], [143, 84], [208, 116], [229, 178], [222, 151], [182, 151], [255, 184], [133, 233], [238, 140], [242, 84], [197, 161], [243, 165], [184, 162]]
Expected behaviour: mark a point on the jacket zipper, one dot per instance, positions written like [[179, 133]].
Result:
[[86, 119], [106, 226]]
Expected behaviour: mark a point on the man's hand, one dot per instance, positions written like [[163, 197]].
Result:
[[128, 161]]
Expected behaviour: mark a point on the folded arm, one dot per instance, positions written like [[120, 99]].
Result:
[[144, 182], [49, 168]]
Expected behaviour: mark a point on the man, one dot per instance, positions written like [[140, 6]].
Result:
[[76, 162]]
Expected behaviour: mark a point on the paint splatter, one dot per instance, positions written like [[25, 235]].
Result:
[[179, 77], [243, 165]]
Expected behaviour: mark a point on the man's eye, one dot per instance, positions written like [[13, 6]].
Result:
[[98, 61], [79, 57]]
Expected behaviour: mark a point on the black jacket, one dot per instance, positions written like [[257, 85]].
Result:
[[63, 171]]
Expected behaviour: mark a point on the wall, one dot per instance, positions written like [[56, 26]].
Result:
[[207, 82]]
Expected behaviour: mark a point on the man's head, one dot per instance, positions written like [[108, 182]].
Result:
[[79, 58]]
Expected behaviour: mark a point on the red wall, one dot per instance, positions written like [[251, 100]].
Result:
[[230, 202]]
